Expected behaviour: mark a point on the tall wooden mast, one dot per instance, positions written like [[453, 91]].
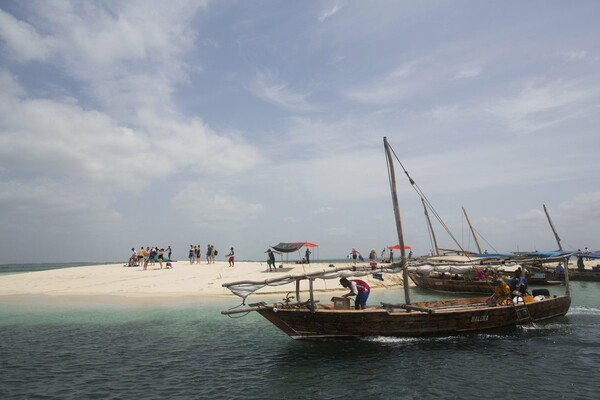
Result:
[[392, 177], [552, 227], [472, 230], [431, 232], [567, 289]]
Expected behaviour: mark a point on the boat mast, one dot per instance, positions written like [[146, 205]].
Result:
[[552, 227], [567, 291], [392, 177], [432, 233], [472, 230]]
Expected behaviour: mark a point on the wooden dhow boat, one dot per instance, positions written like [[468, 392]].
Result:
[[449, 284], [434, 273], [312, 320]]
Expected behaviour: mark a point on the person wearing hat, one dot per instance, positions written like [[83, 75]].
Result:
[[358, 288]]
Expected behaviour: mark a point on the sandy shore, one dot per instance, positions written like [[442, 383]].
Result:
[[197, 280], [183, 281]]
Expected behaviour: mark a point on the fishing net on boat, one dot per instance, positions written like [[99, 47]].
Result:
[[245, 288], [453, 269]]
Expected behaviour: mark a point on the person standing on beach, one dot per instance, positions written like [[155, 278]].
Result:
[[372, 255], [231, 258], [161, 254], [146, 257], [169, 252], [133, 259], [191, 254], [354, 253], [141, 256], [152, 257], [271, 260], [210, 254], [307, 255]]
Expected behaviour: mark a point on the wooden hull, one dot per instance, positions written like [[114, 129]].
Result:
[[574, 275], [588, 276], [543, 279], [448, 317], [449, 285]]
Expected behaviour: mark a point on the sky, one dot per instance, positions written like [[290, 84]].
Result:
[[248, 123]]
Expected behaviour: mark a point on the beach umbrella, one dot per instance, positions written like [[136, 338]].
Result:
[[397, 247]]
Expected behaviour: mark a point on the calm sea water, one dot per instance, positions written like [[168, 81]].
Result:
[[6, 269], [186, 349]]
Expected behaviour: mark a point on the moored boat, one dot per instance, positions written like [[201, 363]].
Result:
[[447, 283], [312, 320]]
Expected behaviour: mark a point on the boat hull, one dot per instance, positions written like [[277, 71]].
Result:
[[459, 316], [449, 285], [587, 276]]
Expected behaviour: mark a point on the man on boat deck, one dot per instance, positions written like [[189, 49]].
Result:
[[358, 288], [518, 286]]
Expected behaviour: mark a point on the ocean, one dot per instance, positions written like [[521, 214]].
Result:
[[185, 349]]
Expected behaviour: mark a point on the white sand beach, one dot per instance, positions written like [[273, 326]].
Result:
[[183, 280]]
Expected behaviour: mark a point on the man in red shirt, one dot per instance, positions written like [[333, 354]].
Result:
[[358, 288]]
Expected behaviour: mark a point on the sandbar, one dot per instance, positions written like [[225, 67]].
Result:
[[184, 280]]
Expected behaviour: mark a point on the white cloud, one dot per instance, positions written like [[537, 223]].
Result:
[[129, 54], [23, 40], [324, 210], [329, 12], [583, 207], [205, 205], [574, 55], [108, 110], [467, 73], [540, 106], [339, 231], [43, 203], [266, 87]]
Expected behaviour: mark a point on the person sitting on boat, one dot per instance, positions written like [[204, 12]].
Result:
[[559, 271], [358, 288], [480, 275], [518, 272], [580, 264], [518, 286], [501, 293]]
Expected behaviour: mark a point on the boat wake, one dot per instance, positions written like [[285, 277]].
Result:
[[582, 310], [430, 339]]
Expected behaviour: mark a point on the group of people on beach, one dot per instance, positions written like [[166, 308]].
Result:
[[356, 257], [149, 255], [195, 255]]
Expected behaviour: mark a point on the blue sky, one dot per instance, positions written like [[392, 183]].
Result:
[[247, 123]]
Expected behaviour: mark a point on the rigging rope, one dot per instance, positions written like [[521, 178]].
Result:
[[429, 205], [485, 240]]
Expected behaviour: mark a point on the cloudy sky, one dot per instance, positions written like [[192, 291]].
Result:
[[247, 123]]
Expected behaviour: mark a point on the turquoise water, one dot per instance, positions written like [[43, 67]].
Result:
[[7, 269], [64, 349]]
